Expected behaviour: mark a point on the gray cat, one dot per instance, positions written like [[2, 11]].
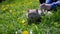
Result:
[[34, 15]]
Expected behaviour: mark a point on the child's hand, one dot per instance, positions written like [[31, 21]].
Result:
[[42, 6], [45, 6]]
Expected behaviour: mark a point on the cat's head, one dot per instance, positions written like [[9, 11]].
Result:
[[33, 15]]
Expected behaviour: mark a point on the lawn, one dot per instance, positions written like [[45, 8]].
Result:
[[13, 18]]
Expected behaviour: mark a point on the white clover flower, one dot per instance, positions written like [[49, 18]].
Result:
[[31, 32]]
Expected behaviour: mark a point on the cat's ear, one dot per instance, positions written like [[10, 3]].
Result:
[[37, 10]]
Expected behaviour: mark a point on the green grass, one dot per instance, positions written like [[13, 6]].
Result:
[[13, 18]]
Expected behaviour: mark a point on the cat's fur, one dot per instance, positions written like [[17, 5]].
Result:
[[34, 15]]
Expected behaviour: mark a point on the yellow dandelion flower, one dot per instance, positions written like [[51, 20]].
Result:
[[4, 8], [11, 4], [11, 11], [23, 21], [25, 32], [30, 2]]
